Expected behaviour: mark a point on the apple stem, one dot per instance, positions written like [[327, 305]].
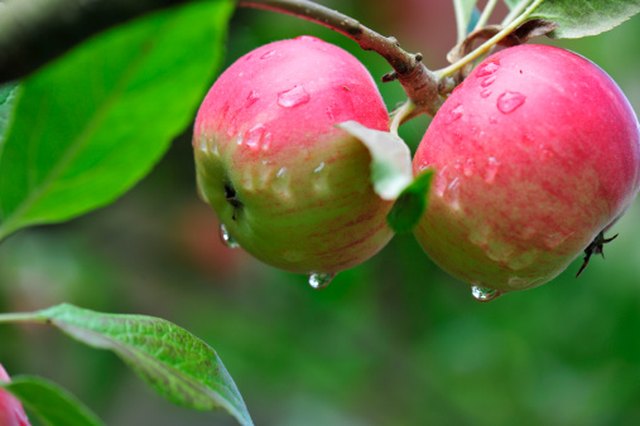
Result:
[[488, 45], [420, 83]]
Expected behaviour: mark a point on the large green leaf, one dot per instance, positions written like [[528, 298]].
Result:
[[177, 364], [52, 405], [90, 125], [581, 18]]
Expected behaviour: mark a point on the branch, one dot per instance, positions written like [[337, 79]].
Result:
[[420, 84], [34, 32]]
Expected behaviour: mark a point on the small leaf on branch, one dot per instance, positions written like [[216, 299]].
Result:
[[581, 18], [178, 365], [391, 169], [411, 204], [52, 405]]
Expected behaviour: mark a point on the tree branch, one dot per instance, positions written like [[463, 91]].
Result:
[[420, 84], [34, 32]]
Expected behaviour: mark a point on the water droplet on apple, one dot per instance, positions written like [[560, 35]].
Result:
[[255, 136], [488, 81], [452, 194], [510, 101], [319, 280], [293, 97], [319, 168], [226, 238], [281, 172], [485, 93], [268, 55], [252, 98], [204, 147], [455, 114], [488, 68], [483, 294], [469, 167], [491, 169]]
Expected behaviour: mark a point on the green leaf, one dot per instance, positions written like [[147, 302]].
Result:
[[53, 405], [91, 124], [411, 204], [7, 102], [178, 365], [464, 11], [580, 18], [391, 169]]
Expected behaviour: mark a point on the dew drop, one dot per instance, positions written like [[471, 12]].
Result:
[[485, 93], [455, 114], [488, 81], [252, 98], [254, 137], [488, 68], [510, 101], [319, 168], [293, 97], [268, 55], [226, 238], [281, 172], [203, 145], [452, 193], [483, 294], [491, 169], [319, 280], [469, 167]]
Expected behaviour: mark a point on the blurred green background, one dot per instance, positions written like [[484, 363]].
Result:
[[395, 341]]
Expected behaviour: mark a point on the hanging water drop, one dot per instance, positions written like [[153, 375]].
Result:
[[483, 294], [293, 97], [226, 238], [319, 280]]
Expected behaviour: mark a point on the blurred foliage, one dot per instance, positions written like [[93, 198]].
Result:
[[395, 341]]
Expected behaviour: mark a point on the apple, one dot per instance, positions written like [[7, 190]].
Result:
[[288, 186], [535, 154], [11, 411]]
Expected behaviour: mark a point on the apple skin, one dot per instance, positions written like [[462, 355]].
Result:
[[291, 188], [11, 411], [535, 153]]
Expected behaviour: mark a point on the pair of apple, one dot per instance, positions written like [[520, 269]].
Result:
[[535, 153]]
